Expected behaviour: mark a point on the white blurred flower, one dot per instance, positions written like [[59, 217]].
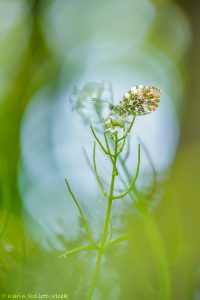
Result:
[[89, 101]]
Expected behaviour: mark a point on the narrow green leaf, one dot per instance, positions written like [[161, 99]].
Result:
[[78, 249], [128, 130], [134, 179], [96, 173], [98, 141], [80, 212], [119, 239]]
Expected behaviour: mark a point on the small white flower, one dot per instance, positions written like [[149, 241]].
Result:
[[127, 95], [114, 123], [134, 89]]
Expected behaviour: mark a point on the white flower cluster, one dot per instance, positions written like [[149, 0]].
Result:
[[114, 123]]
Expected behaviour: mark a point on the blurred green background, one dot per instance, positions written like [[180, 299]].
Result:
[[47, 47]]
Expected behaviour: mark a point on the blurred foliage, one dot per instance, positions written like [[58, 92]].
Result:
[[39, 40]]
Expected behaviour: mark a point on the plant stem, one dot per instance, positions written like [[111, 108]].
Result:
[[105, 227]]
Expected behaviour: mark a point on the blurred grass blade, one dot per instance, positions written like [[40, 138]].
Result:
[[154, 185], [5, 193]]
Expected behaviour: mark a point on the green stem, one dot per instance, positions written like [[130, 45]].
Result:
[[105, 227]]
